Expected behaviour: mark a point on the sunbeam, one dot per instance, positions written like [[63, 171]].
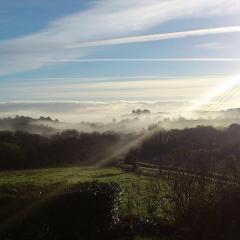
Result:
[[219, 94]]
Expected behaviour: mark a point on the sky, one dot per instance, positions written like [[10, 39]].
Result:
[[115, 50]]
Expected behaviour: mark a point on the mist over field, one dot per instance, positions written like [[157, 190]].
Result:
[[89, 111], [118, 116]]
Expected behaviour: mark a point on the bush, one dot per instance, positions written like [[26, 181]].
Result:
[[85, 211], [200, 209]]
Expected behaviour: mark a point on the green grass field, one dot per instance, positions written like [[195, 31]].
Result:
[[134, 185], [140, 198], [69, 175], [14, 201]]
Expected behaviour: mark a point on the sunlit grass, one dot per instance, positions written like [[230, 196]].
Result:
[[69, 175], [134, 186]]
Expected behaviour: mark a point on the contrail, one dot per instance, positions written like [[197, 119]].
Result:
[[151, 60], [158, 37]]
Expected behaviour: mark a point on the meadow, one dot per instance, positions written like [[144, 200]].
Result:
[[23, 188], [156, 206], [70, 175], [132, 185]]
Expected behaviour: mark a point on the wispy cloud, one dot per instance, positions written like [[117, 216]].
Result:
[[106, 19], [176, 88], [211, 46]]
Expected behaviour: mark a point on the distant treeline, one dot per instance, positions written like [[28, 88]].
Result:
[[21, 123], [22, 150], [201, 149]]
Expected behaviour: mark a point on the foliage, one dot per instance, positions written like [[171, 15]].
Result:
[[22, 150], [202, 149], [84, 211], [162, 207]]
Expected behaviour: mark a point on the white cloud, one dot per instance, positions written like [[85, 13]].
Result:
[[106, 19]]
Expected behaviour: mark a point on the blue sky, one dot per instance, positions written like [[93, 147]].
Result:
[[45, 48]]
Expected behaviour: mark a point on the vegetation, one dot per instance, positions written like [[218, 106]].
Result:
[[41, 203], [22, 150], [178, 184], [139, 111], [78, 212], [201, 149], [21, 189]]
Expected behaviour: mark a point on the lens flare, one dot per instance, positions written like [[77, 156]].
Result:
[[219, 94]]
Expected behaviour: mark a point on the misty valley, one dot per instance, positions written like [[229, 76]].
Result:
[[119, 120]]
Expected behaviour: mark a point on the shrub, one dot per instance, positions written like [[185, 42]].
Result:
[[85, 211]]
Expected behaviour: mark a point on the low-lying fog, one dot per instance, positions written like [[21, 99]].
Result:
[[119, 116]]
